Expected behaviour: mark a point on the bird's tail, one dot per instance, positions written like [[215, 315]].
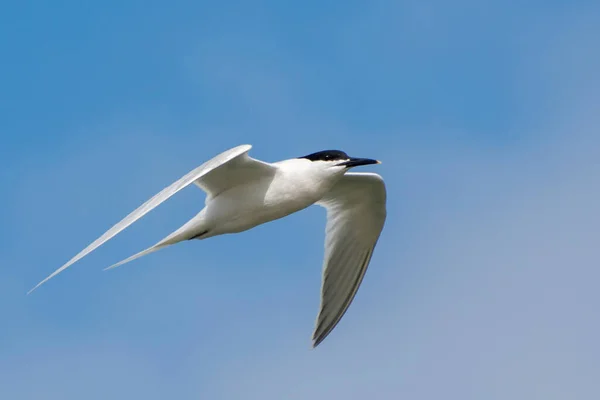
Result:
[[190, 230], [149, 250]]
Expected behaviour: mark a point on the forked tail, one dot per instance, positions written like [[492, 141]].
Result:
[[149, 250], [188, 231]]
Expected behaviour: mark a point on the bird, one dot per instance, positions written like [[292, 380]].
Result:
[[243, 192]]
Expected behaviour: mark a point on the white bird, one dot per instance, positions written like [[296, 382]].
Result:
[[243, 192]]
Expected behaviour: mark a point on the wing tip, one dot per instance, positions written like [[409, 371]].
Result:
[[318, 338], [37, 286]]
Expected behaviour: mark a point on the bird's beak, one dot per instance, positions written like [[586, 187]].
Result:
[[355, 162]]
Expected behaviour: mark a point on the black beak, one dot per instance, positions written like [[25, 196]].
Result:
[[355, 162]]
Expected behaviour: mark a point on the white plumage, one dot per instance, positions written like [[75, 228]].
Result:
[[242, 192]]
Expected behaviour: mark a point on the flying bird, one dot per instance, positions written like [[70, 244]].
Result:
[[243, 192]]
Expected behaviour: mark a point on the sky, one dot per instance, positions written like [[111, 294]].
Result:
[[484, 281]]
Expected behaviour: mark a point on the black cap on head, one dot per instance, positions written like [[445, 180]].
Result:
[[337, 155], [327, 155]]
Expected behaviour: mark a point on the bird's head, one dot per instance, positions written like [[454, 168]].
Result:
[[337, 160]]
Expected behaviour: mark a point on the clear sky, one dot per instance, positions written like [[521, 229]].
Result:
[[484, 284]]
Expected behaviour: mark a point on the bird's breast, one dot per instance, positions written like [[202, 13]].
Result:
[[246, 206]]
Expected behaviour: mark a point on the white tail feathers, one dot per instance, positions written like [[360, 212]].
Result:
[[138, 255], [186, 232]]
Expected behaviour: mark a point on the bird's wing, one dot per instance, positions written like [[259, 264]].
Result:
[[356, 212], [237, 171], [204, 170]]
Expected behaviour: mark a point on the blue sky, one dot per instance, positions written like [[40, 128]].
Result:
[[484, 282]]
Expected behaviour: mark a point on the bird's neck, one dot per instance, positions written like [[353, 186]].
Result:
[[306, 176]]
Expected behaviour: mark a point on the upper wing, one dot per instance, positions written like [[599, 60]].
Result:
[[203, 170], [235, 172], [356, 212]]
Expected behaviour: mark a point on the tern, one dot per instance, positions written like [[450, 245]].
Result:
[[243, 192]]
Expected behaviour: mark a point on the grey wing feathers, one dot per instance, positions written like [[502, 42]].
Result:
[[237, 171], [154, 202], [356, 212]]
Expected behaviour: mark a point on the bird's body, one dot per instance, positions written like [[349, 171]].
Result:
[[294, 186], [243, 192]]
